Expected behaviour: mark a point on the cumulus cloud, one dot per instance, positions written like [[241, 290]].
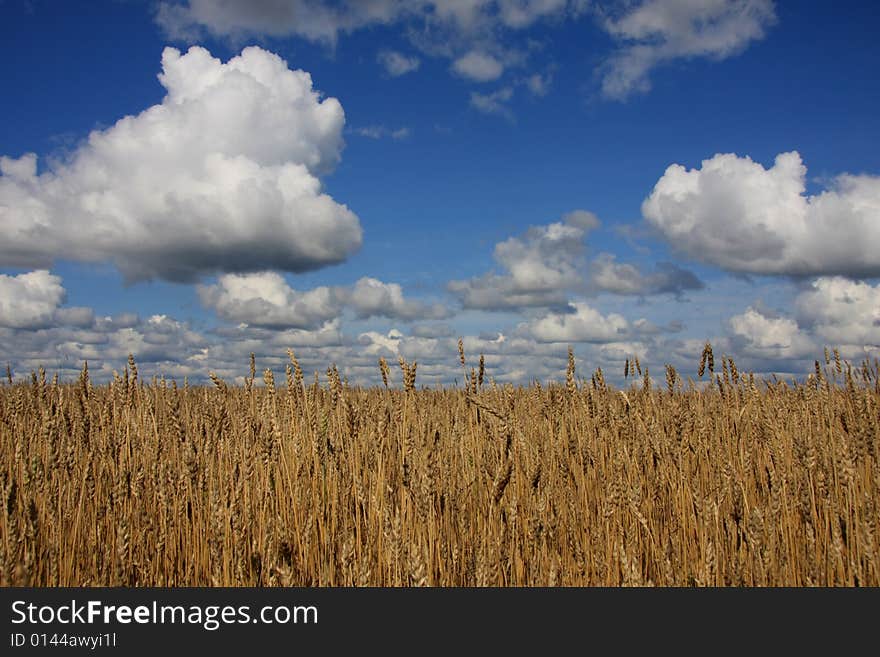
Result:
[[29, 300], [734, 213], [371, 297], [221, 176], [608, 275], [654, 32], [841, 312], [769, 337], [265, 299], [397, 64], [538, 267], [581, 324]]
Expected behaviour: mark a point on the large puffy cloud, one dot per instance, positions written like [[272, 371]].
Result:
[[657, 31], [582, 323], [769, 337], [608, 275], [265, 299], [842, 312], [29, 300], [221, 176], [734, 213]]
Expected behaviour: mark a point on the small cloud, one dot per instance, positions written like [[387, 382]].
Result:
[[397, 64], [494, 103], [381, 132], [478, 66], [538, 84]]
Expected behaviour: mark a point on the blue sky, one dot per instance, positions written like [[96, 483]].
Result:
[[496, 170]]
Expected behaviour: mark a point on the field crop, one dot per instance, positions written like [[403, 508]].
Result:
[[735, 481]]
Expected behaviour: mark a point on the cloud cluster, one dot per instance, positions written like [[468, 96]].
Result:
[[267, 317], [734, 213], [542, 267], [325, 20], [484, 38], [538, 267], [654, 32], [264, 299], [221, 176], [473, 34]]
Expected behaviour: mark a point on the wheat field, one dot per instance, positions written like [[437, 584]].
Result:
[[735, 481]]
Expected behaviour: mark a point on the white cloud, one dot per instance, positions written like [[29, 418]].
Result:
[[734, 213], [29, 300], [494, 103], [221, 176], [841, 312], [538, 267], [769, 337], [581, 324], [397, 64], [478, 66], [379, 344], [654, 32], [265, 299], [371, 297]]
